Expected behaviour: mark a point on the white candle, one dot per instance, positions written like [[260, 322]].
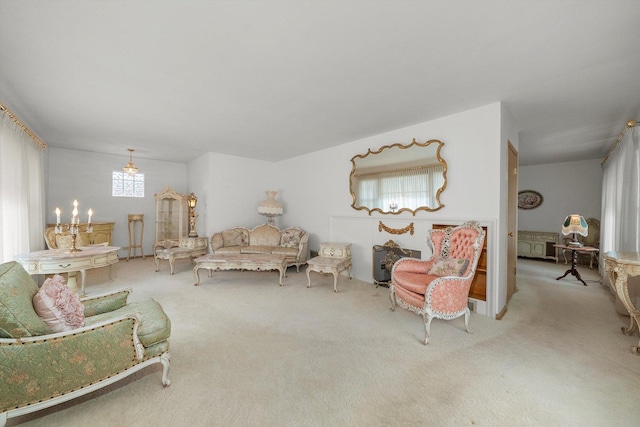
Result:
[[75, 211], [90, 213], [57, 215]]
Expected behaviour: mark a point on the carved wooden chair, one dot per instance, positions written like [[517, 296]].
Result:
[[439, 287]]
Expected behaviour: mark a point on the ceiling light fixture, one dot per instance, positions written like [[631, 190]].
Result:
[[131, 168]]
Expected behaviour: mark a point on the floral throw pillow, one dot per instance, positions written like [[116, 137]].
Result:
[[290, 238], [449, 267], [58, 306]]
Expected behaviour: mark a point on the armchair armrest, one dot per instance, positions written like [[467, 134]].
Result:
[[303, 248], [106, 302], [412, 265], [449, 294], [71, 360]]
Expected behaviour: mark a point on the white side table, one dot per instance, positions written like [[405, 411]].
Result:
[[333, 258]]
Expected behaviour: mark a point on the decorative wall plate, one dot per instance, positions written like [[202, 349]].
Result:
[[529, 199]]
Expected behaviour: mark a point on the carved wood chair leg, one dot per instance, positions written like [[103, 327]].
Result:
[[466, 320], [164, 359], [427, 327]]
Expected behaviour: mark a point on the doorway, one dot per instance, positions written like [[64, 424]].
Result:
[[512, 219]]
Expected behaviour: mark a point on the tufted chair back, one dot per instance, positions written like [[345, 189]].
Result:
[[439, 286]]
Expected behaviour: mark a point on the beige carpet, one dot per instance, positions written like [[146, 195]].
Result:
[[246, 352]]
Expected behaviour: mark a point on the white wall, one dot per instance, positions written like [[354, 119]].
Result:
[[229, 189], [316, 190], [313, 188], [86, 176], [566, 188]]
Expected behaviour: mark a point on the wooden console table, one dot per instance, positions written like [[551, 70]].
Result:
[[53, 261], [619, 266]]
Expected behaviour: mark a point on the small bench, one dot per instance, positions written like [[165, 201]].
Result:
[[332, 258], [188, 247]]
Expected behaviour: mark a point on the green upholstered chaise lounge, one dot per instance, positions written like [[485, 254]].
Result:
[[39, 368]]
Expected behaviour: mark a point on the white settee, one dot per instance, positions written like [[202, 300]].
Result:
[[292, 242]]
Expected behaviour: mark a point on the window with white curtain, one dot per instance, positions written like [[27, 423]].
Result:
[[21, 190], [405, 188], [620, 216]]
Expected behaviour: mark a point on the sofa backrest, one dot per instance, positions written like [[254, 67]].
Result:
[[264, 235], [18, 319], [238, 236]]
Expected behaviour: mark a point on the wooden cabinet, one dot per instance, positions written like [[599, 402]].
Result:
[[102, 233], [537, 244], [479, 284], [171, 216]]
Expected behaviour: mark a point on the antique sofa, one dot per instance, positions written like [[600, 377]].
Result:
[[291, 242], [41, 368]]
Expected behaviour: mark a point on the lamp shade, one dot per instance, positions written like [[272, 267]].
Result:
[[270, 206], [575, 223]]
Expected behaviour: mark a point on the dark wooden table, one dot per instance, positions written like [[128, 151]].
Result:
[[574, 259]]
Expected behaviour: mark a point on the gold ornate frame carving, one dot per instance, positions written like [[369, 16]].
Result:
[[408, 229], [439, 144]]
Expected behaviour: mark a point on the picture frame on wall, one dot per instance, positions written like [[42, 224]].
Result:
[[529, 199]]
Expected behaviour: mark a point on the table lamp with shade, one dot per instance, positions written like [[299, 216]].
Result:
[[575, 224], [270, 207]]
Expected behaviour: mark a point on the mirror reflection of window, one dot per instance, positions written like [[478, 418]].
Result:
[[407, 188], [399, 177]]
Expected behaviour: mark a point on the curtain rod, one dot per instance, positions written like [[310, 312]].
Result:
[[22, 126], [630, 124]]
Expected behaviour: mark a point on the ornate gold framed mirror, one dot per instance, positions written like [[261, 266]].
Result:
[[399, 178]]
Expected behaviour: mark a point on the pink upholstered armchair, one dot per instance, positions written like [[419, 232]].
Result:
[[439, 287]]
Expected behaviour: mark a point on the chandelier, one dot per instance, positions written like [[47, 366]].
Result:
[[131, 168]]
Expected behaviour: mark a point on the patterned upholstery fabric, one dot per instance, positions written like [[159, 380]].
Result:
[[154, 327], [79, 360], [17, 316], [439, 287], [235, 237], [264, 235], [449, 267], [66, 241], [38, 370], [291, 237], [292, 242]]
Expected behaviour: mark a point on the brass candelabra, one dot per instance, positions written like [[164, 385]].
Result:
[[74, 227]]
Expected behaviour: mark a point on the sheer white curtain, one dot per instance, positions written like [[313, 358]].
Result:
[[21, 191], [620, 216], [407, 188]]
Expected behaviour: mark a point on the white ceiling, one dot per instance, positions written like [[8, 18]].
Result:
[[272, 80]]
